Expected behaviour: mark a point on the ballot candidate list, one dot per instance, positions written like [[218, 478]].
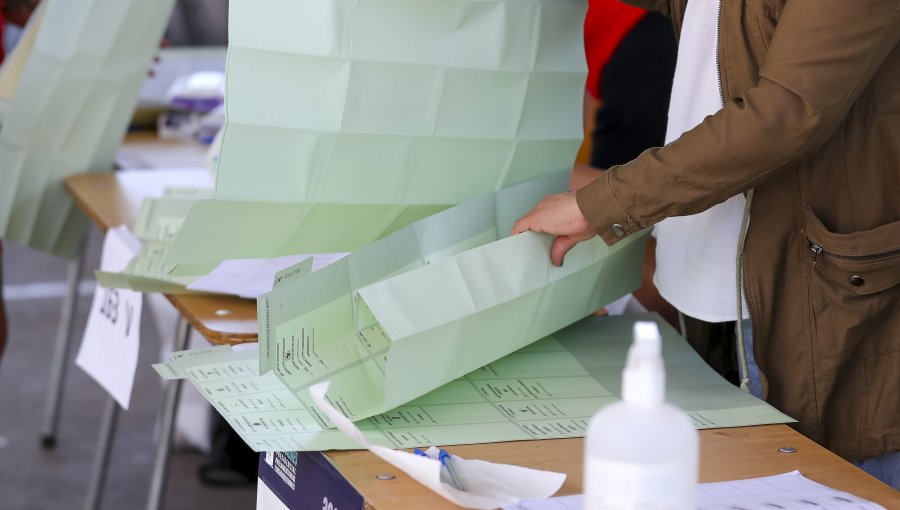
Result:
[[539, 392], [547, 390]]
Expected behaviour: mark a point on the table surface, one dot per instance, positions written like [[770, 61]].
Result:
[[108, 201], [726, 454]]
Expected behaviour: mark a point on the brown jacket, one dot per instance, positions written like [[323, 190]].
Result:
[[812, 122]]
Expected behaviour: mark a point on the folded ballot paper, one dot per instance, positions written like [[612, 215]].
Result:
[[69, 110], [434, 301], [348, 120], [549, 389]]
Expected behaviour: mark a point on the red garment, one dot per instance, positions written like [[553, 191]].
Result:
[[606, 24]]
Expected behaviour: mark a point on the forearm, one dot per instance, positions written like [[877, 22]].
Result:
[[582, 175], [803, 93]]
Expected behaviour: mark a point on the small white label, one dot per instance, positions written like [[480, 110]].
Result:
[[109, 351], [611, 485]]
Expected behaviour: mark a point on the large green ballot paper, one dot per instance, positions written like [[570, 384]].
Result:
[[546, 390], [70, 109], [349, 119], [434, 301]]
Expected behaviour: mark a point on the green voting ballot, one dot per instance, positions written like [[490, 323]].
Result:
[[69, 110], [451, 287], [546, 390], [348, 120]]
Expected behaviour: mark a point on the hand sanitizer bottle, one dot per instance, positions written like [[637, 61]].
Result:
[[641, 453]]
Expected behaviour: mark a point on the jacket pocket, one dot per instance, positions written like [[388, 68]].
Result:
[[854, 300], [864, 262]]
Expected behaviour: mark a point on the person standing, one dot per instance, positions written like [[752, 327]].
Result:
[[802, 126]]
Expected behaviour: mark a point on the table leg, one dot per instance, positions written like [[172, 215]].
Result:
[[101, 458], [58, 365], [170, 406]]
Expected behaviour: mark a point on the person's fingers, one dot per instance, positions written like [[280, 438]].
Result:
[[522, 225], [561, 245]]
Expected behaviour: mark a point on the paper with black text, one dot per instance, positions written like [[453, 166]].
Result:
[[788, 491], [109, 351]]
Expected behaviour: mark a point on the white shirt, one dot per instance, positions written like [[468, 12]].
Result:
[[695, 255]]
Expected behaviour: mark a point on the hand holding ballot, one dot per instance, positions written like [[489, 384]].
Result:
[[557, 214]]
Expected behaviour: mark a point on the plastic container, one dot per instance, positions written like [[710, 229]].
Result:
[[641, 453]]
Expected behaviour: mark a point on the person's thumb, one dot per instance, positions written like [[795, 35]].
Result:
[[561, 245]]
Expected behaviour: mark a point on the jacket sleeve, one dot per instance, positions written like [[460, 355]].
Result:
[[822, 55]]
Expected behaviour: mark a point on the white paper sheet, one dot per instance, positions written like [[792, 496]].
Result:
[[251, 278], [109, 351], [154, 183], [487, 485], [788, 491]]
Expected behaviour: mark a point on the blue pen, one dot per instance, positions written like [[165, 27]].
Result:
[[420, 453], [446, 461]]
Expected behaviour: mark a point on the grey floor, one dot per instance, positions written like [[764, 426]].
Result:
[[32, 478]]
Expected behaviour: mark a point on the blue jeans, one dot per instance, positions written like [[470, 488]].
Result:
[[755, 384], [883, 467]]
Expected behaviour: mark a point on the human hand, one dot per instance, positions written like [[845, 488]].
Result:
[[557, 214]]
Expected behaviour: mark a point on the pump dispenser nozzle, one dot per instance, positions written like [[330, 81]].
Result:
[[644, 377]]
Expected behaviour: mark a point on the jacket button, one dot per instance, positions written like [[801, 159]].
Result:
[[618, 230], [857, 280]]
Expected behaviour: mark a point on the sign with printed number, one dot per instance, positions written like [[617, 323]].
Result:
[[109, 350]]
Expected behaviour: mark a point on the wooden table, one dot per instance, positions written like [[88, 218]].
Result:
[[108, 201], [726, 454]]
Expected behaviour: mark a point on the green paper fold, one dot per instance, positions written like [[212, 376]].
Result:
[[70, 110], [451, 287], [348, 120]]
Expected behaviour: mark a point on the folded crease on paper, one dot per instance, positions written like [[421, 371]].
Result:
[[451, 287], [487, 485]]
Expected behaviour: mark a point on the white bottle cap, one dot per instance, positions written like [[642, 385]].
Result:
[[644, 377]]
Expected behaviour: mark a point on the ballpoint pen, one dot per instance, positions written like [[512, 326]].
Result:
[[446, 461]]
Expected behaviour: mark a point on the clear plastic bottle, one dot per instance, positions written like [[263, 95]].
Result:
[[641, 453]]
